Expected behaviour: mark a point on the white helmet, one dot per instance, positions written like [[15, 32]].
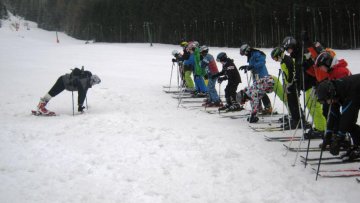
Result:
[[175, 53], [204, 48]]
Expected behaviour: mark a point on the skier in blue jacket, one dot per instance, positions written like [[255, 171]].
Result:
[[256, 60]]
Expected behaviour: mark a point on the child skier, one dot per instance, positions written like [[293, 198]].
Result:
[[78, 80], [344, 92], [209, 64], [257, 61], [229, 72]]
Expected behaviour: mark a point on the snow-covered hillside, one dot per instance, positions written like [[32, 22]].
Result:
[[133, 144]]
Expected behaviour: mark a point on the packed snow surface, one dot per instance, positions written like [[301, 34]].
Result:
[[134, 144]]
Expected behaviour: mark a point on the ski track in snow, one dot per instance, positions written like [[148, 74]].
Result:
[[133, 144]]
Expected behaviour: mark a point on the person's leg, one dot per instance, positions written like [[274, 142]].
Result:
[[315, 111], [189, 80], [55, 90]]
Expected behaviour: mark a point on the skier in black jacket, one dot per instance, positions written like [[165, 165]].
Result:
[[78, 80], [346, 92], [229, 72]]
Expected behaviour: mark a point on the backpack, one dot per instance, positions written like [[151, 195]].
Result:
[[80, 73]]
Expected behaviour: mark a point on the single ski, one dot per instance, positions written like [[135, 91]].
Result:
[[337, 170], [323, 158], [192, 101], [266, 129], [343, 175], [302, 149], [331, 162], [282, 139], [171, 91], [37, 113]]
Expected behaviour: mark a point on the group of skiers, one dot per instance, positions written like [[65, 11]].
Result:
[[331, 91]]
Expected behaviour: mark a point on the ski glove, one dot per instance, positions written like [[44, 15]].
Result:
[[81, 108], [174, 60], [220, 79], [244, 67]]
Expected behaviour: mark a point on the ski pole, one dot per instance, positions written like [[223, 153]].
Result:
[[172, 68], [72, 96], [324, 137], [219, 95], [273, 104], [312, 95], [291, 140], [302, 124], [87, 107]]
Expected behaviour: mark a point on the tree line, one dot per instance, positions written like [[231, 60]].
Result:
[[261, 23]]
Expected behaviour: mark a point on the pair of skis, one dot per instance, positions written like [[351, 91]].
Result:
[[334, 173]]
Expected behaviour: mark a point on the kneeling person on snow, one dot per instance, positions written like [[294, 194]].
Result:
[[78, 80], [255, 93]]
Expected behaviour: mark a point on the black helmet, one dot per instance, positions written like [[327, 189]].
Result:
[[325, 91], [289, 42], [277, 52], [221, 57], [318, 47], [244, 49], [324, 59]]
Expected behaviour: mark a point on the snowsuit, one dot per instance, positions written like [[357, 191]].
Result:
[[194, 63], [348, 94], [230, 73], [312, 104], [339, 70], [257, 91], [76, 81], [257, 60], [209, 65], [289, 74], [187, 70]]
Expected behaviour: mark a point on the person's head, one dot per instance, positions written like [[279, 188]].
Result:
[[204, 50], [94, 80], [221, 57], [326, 92], [324, 61], [191, 46], [289, 44], [175, 53], [318, 47], [183, 44], [244, 49], [277, 54]]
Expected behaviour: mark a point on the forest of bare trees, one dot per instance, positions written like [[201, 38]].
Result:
[[262, 23]]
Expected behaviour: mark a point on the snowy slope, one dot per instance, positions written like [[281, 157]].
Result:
[[134, 144]]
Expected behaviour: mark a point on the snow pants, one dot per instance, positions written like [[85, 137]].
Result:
[[315, 110]]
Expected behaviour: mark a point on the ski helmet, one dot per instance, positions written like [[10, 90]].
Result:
[[324, 59], [318, 47], [221, 57], [184, 44], [204, 49], [289, 42], [325, 90], [94, 80], [277, 53], [195, 43], [244, 49], [175, 53]]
